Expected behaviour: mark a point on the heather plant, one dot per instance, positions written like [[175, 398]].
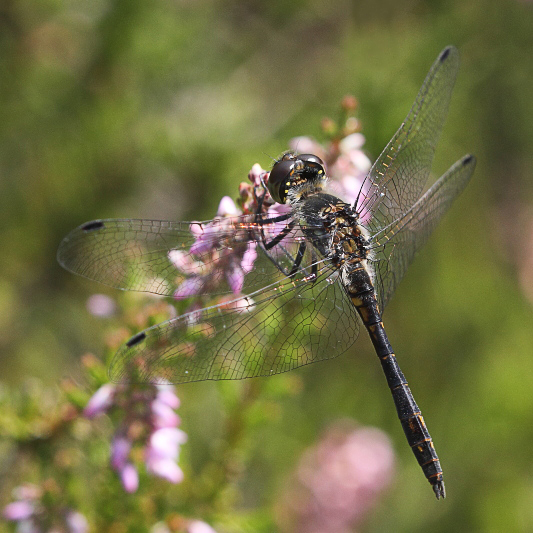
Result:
[[93, 455]]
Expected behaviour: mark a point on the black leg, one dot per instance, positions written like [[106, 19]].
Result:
[[298, 260], [279, 237]]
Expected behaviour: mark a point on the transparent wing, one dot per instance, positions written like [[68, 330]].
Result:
[[397, 178], [292, 322], [394, 247], [159, 256]]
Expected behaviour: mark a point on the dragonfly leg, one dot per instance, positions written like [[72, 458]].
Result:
[[279, 237], [296, 261]]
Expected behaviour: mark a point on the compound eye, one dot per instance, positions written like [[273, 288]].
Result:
[[311, 158], [279, 180]]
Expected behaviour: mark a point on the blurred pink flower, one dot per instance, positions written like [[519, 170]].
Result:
[[166, 395], [129, 478], [308, 145], [16, 511], [100, 401], [120, 450], [76, 522], [227, 207], [151, 407], [162, 453], [339, 480], [163, 415], [190, 287], [197, 526], [185, 526], [101, 305], [33, 514]]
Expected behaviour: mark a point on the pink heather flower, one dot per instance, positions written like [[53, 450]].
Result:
[[162, 453], [100, 305], [17, 511], [227, 207], [257, 175], [205, 234], [350, 167], [32, 516], [76, 522], [339, 480], [197, 526], [355, 141], [150, 422], [165, 442], [239, 268], [129, 478], [235, 277], [165, 469], [166, 395], [219, 256], [191, 526], [189, 287], [272, 230], [185, 263], [163, 415], [100, 401], [249, 257], [307, 145], [127, 472], [120, 451]]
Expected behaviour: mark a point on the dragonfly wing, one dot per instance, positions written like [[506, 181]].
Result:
[[290, 323], [158, 256], [126, 254], [394, 247], [399, 175]]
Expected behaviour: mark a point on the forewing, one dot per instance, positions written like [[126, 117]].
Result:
[[158, 256], [290, 323], [399, 175], [394, 247]]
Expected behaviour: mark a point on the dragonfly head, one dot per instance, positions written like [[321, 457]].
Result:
[[292, 171]]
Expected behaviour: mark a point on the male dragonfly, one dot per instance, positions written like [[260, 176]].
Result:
[[269, 292]]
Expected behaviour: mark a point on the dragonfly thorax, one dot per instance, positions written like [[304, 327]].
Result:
[[296, 175], [333, 227]]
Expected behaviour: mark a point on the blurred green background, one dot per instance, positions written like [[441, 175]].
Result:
[[157, 109]]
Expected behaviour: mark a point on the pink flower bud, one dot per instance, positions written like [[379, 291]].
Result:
[[227, 207]]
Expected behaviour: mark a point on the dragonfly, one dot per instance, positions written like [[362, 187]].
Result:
[[269, 291]]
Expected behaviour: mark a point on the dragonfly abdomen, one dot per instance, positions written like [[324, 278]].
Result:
[[363, 297]]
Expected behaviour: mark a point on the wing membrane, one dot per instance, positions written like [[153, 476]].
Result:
[[157, 256], [397, 178], [291, 323], [394, 247]]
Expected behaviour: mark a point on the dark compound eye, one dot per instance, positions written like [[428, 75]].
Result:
[[279, 179], [313, 165], [306, 166], [312, 158]]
